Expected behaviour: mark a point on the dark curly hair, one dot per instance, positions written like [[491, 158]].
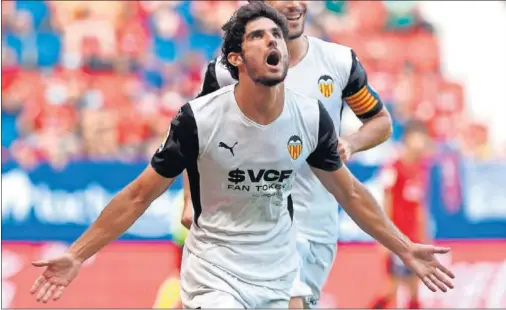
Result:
[[235, 29]]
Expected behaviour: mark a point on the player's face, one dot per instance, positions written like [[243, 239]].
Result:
[[416, 143], [264, 52], [295, 13]]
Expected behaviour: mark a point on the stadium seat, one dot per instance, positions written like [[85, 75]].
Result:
[[402, 60], [367, 16], [111, 86], [423, 52], [450, 99], [132, 128]]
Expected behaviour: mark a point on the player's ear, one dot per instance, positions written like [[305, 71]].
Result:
[[235, 59]]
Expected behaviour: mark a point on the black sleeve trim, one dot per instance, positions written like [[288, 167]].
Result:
[[325, 156], [358, 94], [181, 146], [211, 83], [357, 79]]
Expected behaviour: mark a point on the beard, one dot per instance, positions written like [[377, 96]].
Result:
[[296, 35], [266, 80]]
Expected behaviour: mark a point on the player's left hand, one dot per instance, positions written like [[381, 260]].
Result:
[[422, 261], [187, 216], [345, 149]]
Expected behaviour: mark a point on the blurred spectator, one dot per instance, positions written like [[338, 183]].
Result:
[[88, 29], [23, 38], [100, 136], [109, 75]]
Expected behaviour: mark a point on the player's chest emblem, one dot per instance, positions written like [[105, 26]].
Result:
[[326, 85], [294, 146]]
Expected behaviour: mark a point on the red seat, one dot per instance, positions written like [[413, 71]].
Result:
[[9, 76], [443, 127], [474, 140], [382, 82], [27, 86], [113, 86], [132, 127], [383, 51], [450, 98], [132, 40], [408, 89], [423, 52], [393, 54], [367, 16], [430, 83], [426, 95], [58, 118]]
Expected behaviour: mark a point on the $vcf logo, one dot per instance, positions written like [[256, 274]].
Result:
[[268, 175], [326, 85], [294, 147]]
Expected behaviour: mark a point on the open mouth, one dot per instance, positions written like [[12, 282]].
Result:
[[293, 17], [273, 58]]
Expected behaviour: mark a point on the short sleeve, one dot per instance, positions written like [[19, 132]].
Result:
[[360, 96], [180, 147], [325, 156]]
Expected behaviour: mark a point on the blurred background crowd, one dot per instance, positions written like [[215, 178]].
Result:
[[101, 79], [89, 88]]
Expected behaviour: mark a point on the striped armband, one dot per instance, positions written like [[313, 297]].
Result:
[[365, 103]]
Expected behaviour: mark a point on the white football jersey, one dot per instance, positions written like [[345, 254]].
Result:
[[332, 74], [241, 175]]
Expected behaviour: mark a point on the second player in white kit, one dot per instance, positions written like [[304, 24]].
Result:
[[332, 74]]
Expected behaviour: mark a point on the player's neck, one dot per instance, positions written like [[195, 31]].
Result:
[[259, 103], [298, 49]]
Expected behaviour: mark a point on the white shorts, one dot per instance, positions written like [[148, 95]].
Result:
[[205, 285], [316, 260]]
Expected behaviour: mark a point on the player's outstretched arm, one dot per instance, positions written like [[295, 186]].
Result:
[[360, 205], [178, 149], [367, 106], [358, 202], [123, 210]]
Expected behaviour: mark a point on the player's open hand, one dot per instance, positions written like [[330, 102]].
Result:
[[422, 260], [345, 149], [58, 273]]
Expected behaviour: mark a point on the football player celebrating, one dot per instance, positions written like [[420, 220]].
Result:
[[331, 73]]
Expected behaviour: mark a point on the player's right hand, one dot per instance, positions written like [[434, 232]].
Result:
[[58, 274]]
